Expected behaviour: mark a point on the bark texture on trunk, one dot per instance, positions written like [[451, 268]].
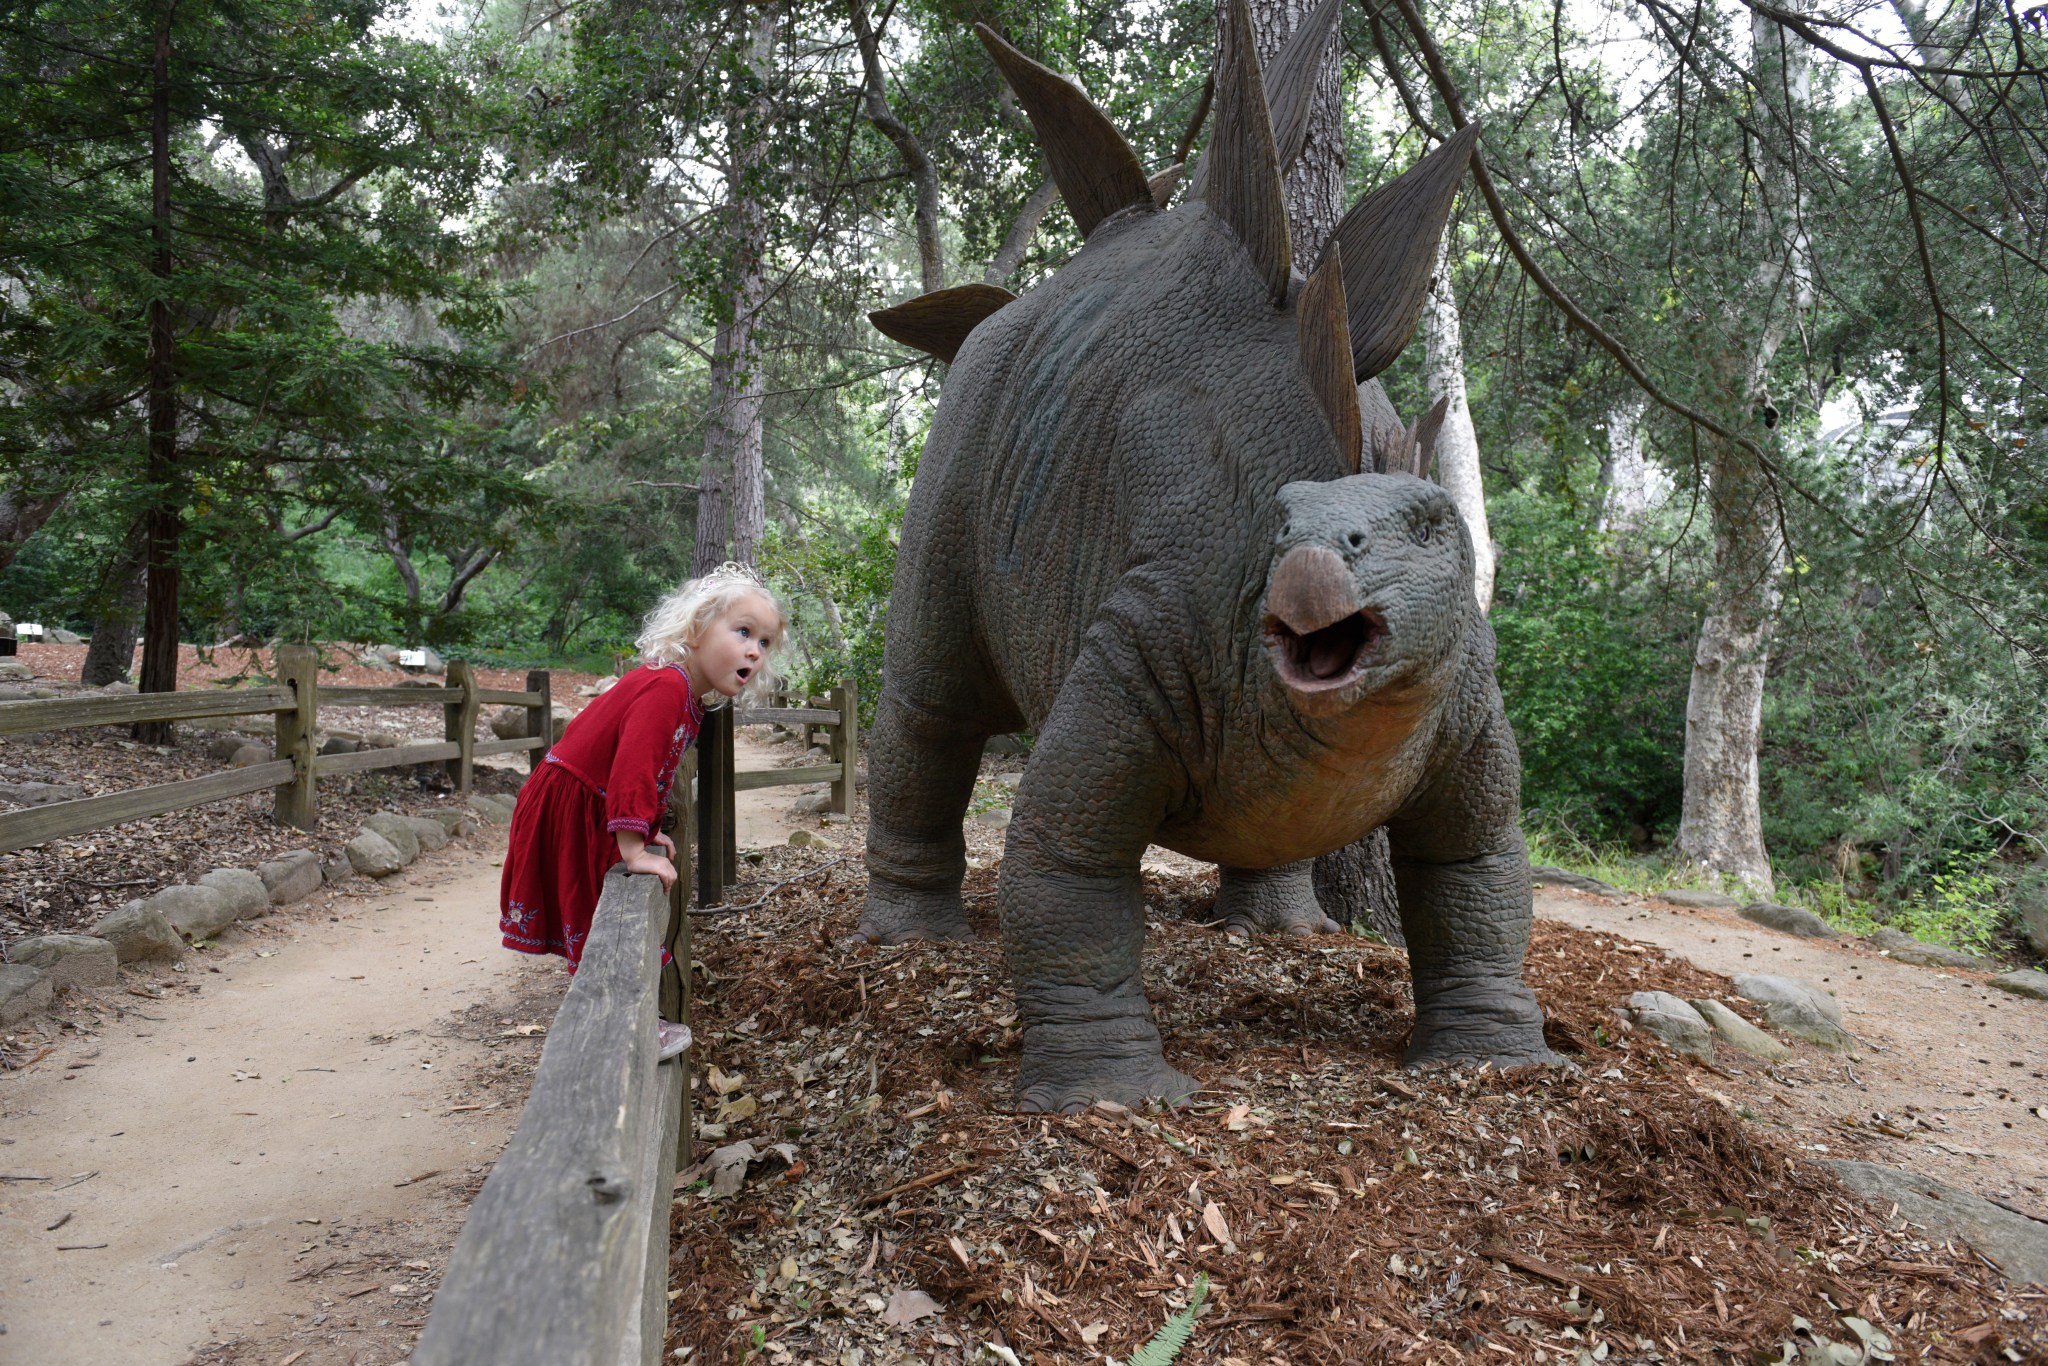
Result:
[[1721, 830], [111, 652], [163, 523], [1457, 444], [1632, 485], [924, 176], [1358, 881], [22, 514], [1315, 185], [732, 502]]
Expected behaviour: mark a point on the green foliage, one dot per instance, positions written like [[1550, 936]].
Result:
[[1165, 1347]]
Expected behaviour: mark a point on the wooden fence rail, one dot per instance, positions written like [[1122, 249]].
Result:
[[294, 768], [717, 782], [564, 1258]]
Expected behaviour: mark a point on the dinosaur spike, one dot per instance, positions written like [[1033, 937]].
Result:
[[1422, 437], [1164, 183], [1244, 181], [1096, 170], [938, 323], [1389, 242], [1321, 322], [1290, 86]]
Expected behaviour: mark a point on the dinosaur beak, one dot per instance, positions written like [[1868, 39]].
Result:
[[1319, 635]]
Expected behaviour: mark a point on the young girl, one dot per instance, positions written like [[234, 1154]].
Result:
[[600, 796]]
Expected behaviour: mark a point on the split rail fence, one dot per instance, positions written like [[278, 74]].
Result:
[[579, 1202], [294, 768]]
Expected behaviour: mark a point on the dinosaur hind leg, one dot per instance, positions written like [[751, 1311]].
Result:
[[921, 770], [1278, 900]]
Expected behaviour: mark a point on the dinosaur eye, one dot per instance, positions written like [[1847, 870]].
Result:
[[1422, 534]]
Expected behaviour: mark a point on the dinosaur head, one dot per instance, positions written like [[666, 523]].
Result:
[[1367, 590]]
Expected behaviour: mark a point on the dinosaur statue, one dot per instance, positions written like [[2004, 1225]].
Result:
[[1139, 530]]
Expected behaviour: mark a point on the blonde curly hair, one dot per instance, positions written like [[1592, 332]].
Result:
[[680, 619]]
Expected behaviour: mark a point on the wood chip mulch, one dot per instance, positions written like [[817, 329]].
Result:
[[1340, 1207]]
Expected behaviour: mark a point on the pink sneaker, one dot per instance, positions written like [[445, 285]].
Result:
[[675, 1038]]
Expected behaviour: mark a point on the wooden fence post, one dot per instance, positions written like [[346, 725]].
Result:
[[460, 723], [298, 668], [846, 744], [714, 767], [729, 791], [540, 720]]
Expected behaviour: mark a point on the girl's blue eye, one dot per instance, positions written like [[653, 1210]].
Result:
[[745, 633]]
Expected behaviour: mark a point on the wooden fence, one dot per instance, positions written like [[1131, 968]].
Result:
[[718, 783], [294, 768]]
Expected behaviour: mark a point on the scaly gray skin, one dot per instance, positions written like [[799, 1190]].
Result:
[[1122, 460]]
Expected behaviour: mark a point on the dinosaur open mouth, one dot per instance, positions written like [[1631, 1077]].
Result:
[[1316, 661]]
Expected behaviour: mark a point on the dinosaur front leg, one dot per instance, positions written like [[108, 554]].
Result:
[[1278, 900], [921, 769], [1073, 910], [1467, 926]]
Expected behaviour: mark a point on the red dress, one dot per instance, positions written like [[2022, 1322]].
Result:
[[610, 771]]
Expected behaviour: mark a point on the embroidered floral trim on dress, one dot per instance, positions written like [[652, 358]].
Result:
[[630, 823]]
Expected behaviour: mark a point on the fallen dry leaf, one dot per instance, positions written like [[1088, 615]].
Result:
[[1212, 1220], [907, 1307]]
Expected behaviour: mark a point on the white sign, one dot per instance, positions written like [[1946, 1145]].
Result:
[[28, 630], [412, 659]]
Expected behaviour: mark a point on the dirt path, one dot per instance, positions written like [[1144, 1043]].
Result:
[[298, 1110], [1957, 1067]]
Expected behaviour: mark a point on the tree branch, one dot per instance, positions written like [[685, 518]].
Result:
[[924, 175]]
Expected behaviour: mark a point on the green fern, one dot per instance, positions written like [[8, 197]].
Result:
[[1166, 1344]]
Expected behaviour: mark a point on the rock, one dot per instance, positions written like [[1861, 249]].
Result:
[[2026, 982], [1704, 901], [222, 748], [509, 723], [2030, 908], [68, 960], [294, 877], [602, 685], [1906, 949], [1797, 1007], [120, 687], [490, 808], [195, 912], [397, 831], [140, 933], [803, 839], [431, 662], [1545, 876], [380, 739], [449, 819], [39, 794], [13, 692], [1739, 1033], [997, 818], [373, 856], [243, 890], [338, 868], [336, 744], [811, 803], [371, 660], [249, 754], [23, 991], [1787, 920], [2018, 1244], [1673, 1021], [57, 635], [14, 668], [428, 832]]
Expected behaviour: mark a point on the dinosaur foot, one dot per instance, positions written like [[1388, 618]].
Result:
[[1098, 1048], [896, 915], [1271, 901], [1497, 1022]]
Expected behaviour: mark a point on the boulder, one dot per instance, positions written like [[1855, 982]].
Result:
[[251, 753], [1798, 1007], [338, 868], [397, 831], [1787, 920], [2018, 1245], [603, 685], [2030, 908], [14, 668], [1739, 1033], [380, 739], [120, 687], [1673, 1021], [68, 960], [492, 808], [428, 831], [1541, 874], [509, 723], [140, 934], [57, 635], [997, 818], [39, 794], [13, 692], [23, 991], [1698, 900], [195, 912], [222, 748], [448, 818], [294, 877], [811, 803], [2028, 983], [373, 856], [243, 890], [339, 744], [803, 839], [1906, 949]]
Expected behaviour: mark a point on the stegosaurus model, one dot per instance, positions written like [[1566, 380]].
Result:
[[1138, 530]]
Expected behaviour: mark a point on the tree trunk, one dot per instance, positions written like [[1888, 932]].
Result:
[[732, 503], [112, 650], [924, 176], [1721, 829], [22, 514], [1457, 444], [163, 522], [1630, 484]]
